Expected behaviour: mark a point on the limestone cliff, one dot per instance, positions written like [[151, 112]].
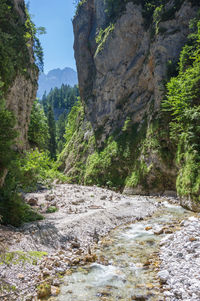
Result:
[[18, 73], [126, 76], [123, 63], [22, 91]]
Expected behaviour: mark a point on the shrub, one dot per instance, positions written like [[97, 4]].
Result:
[[7, 135], [14, 210], [182, 101], [52, 209]]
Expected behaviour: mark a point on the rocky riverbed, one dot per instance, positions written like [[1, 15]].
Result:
[[39, 253], [35, 257], [180, 267]]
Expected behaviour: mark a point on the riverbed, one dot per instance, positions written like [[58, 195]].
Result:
[[128, 262]]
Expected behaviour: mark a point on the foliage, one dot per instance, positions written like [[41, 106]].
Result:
[[7, 136], [52, 133], [157, 17], [79, 143], [36, 167], [153, 10], [25, 174], [139, 174], [71, 122], [78, 4], [61, 100], [16, 40], [183, 103], [20, 257], [99, 166], [38, 133], [32, 40], [52, 209], [14, 210], [102, 37]]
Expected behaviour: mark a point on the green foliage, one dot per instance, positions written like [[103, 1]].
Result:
[[32, 40], [157, 17], [25, 174], [52, 133], [127, 124], [52, 209], [77, 146], [102, 37], [78, 4], [7, 136], [138, 176], [16, 40], [15, 211], [61, 100], [31, 169], [38, 133], [19, 257], [72, 121], [99, 165], [183, 103]]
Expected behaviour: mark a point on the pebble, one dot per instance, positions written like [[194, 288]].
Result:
[[163, 275], [180, 253]]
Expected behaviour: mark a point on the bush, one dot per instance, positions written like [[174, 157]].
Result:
[[38, 132], [52, 209], [183, 95], [7, 136], [15, 211]]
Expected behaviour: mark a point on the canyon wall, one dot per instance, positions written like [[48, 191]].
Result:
[[124, 62], [19, 73]]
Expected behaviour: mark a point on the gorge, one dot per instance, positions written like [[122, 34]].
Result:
[[109, 206]]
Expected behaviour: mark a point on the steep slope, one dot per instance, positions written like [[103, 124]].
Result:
[[55, 78], [18, 72], [126, 52]]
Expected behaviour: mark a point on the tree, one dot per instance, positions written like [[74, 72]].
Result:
[[52, 132], [38, 133]]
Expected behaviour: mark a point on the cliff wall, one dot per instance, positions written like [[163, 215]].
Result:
[[125, 76], [18, 74], [125, 56], [23, 89]]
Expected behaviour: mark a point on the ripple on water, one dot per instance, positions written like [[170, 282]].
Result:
[[130, 271]]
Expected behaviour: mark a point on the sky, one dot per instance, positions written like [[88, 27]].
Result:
[[55, 16]]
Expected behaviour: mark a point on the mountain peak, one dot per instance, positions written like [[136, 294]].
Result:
[[55, 78]]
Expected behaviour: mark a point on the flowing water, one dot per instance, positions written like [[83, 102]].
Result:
[[128, 262]]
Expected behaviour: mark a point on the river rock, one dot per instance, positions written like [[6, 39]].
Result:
[[164, 276], [32, 201]]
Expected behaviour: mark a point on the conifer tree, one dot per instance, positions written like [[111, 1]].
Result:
[[52, 132]]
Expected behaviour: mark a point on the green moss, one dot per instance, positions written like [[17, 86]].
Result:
[[139, 175], [52, 209], [19, 257]]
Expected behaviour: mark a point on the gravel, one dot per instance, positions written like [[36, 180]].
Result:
[[180, 256]]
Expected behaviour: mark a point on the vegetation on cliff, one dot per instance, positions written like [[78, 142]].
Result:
[[162, 152], [182, 101], [20, 56]]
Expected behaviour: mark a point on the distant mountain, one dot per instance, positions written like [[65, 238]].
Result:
[[55, 78]]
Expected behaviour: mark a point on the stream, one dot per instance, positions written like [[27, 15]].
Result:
[[127, 263]]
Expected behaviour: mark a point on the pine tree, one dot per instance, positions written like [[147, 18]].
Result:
[[52, 132]]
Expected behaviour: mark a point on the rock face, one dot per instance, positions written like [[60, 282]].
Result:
[[19, 100], [123, 66], [22, 91], [125, 78]]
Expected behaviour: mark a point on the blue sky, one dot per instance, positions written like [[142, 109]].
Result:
[[55, 16]]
